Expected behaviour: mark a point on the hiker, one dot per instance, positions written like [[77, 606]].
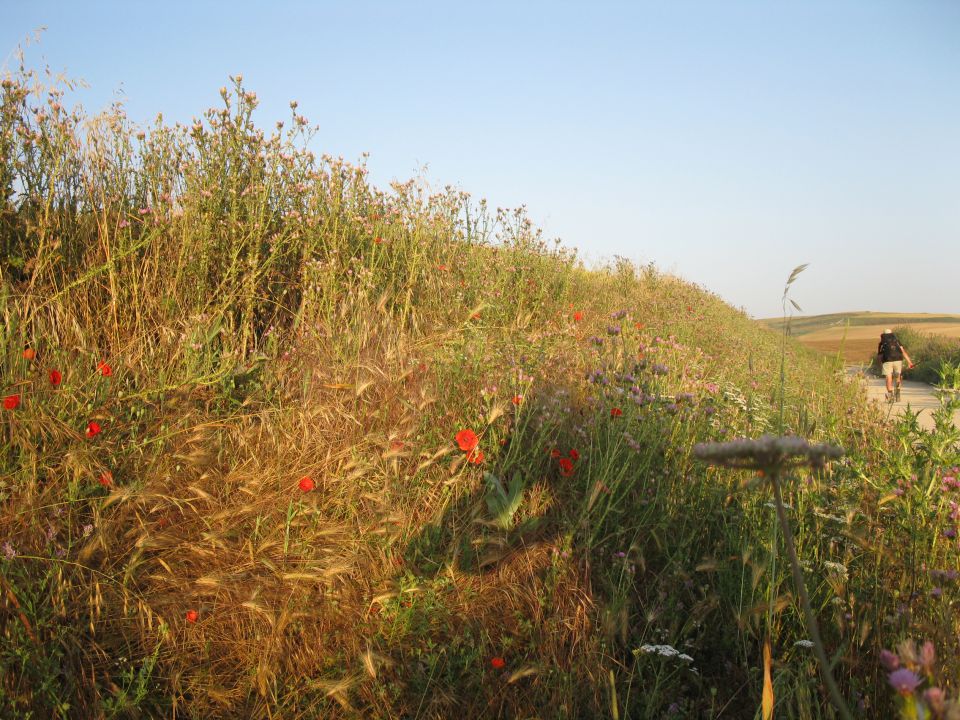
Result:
[[892, 354]]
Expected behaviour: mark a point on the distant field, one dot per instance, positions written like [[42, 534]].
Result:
[[856, 334]]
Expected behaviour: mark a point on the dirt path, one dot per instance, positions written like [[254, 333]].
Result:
[[919, 396]]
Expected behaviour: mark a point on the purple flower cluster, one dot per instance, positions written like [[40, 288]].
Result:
[[906, 671]]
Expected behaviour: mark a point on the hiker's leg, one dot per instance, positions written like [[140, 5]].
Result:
[[888, 374]]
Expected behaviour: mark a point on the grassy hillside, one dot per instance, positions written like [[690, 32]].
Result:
[[277, 443]]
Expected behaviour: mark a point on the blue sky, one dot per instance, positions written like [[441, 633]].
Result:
[[725, 141]]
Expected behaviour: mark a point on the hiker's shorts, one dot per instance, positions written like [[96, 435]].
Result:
[[893, 367]]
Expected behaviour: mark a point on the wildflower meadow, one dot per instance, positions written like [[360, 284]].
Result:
[[279, 443]]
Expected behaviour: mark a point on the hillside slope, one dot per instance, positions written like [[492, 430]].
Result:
[[283, 444]]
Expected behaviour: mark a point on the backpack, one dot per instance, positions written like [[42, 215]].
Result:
[[890, 348]]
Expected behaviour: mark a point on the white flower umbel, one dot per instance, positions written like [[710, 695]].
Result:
[[664, 650], [768, 453]]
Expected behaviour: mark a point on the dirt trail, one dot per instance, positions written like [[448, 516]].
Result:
[[919, 396]]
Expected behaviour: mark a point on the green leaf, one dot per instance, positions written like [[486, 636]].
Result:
[[503, 503]]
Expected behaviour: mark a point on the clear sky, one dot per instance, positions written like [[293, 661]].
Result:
[[727, 141]]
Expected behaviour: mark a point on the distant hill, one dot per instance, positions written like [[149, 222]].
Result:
[[855, 334]]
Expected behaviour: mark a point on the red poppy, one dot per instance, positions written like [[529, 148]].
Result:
[[11, 402], [475, 316], [498, 663], [306, 483], [467, 440], [638, 325], [29, 354], [554, 453], [106, 478], [378, 240], [566, 467], [192, 616], [55, 377], [93, 428], [104, 369], [577, 316], [574, 455], [517, 399], [475, 456], [616, 412]]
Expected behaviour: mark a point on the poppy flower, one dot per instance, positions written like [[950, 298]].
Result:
[[11, 402], [378, 240], [467, 440], [615, 412], [566, 467], [192, 616], [517, 399], [554, 453], [638, 325], [577, 316], [106, 478], [498, 663], [104, 369], [574, 455], [93, 428], [475, 456], [29, 354], [306, 483], [55, 378]]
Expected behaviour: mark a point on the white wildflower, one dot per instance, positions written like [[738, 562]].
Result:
[[663, 650], [838, 569]]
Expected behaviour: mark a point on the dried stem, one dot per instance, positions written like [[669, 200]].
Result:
[[811, 620]]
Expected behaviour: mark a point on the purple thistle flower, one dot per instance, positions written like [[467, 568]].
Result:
[[889, 660], [928, 655], [936, 699], [903, 681]]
